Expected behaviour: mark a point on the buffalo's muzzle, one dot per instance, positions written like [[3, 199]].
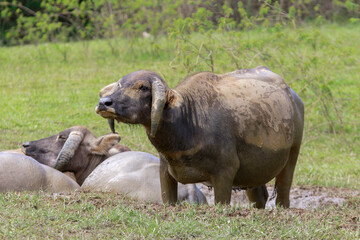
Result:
[[103, 105], [24, 146]]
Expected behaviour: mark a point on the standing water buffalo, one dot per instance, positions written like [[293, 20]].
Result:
[[241, 128]]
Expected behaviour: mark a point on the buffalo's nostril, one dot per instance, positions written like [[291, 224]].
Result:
[[25, 145], [103, 104], [105, 101]]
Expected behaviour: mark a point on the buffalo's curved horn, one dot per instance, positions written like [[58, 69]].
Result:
[[107, 90], [158, 103], [68, 150]]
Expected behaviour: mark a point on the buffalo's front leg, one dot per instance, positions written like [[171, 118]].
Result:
[[222, 184], [223, 179], [222, 193], [168, 184]]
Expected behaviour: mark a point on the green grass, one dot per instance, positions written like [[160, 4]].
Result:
[[108, 216], [47, 88]]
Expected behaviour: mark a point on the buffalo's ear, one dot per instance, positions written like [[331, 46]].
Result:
[[103, 144], [173, 98]]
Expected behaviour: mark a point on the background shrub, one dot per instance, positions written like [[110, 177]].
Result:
[[34, 21]]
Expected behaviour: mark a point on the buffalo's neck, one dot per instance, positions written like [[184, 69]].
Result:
[[83, 173], [180, 128]]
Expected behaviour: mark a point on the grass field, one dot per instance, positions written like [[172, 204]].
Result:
[[49, 87], [108, 216]]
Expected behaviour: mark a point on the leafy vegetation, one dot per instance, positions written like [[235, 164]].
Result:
[[36, 21]]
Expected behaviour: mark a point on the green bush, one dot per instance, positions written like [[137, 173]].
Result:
[[34, 21]]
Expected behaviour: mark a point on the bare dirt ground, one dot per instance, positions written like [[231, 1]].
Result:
[[300, 197]]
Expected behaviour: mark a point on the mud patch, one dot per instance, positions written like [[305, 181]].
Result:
[[300, 197]]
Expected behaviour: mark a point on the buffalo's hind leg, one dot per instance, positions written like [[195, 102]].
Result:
[[285, 177], [258, 196]]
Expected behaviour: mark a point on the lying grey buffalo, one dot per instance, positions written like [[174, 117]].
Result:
[[136, 174], [22, 173], [19, 151], [241, 128], [75, 150]]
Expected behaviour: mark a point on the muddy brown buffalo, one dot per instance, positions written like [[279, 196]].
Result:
[[241, 129]]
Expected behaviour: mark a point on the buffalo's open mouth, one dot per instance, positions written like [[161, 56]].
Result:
[[105, 112], [108, 113]]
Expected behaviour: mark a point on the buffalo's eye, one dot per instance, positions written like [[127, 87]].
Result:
[[61, 137], [143, 88]]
